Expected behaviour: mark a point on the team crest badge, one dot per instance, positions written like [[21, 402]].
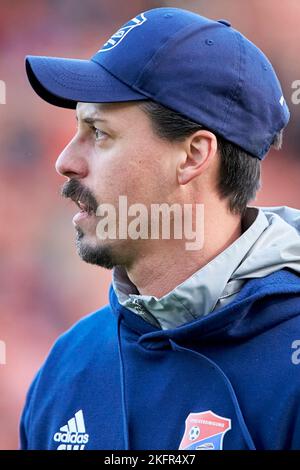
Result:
[[117, 37], [204, 431]]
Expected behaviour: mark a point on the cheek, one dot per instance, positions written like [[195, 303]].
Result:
[[113, 175], [155, 176], [141, 173]]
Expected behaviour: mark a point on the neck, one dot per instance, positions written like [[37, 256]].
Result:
[[165, 264]]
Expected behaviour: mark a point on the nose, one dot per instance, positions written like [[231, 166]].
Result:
[[71, 163]]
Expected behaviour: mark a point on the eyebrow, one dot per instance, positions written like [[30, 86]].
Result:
[[90, 120]]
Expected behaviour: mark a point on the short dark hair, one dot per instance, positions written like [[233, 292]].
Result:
[[239, 177]]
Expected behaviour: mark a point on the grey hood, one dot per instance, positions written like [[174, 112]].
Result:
[[270, 241], [277, 247]]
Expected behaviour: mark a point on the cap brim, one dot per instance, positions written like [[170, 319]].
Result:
[[65, 82]]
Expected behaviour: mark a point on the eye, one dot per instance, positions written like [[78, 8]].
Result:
[[98, 133]]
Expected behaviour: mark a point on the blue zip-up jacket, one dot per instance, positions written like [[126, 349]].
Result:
[[228, 380]]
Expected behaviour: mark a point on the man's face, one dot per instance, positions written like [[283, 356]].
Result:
[[114, 152]]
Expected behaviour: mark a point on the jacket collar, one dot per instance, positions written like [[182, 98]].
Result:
[[198, 295]]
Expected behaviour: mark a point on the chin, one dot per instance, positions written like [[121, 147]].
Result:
[[94, 252]]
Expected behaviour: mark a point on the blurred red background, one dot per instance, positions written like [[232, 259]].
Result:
[[44, 286]]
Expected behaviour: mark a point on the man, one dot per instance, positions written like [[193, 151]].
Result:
[[196, 348]]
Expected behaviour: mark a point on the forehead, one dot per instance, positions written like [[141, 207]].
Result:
[[107, 110], [90, 109]]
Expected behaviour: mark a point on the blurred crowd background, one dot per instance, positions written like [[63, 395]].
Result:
[[44, 286]]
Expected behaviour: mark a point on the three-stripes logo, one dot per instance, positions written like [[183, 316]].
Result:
[[73, 435]]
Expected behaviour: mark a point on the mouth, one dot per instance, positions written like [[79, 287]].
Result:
[[86, 211], [83, 207]]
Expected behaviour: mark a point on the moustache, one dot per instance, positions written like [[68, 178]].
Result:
[[82, 196]]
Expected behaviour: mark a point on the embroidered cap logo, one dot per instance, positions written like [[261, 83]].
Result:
[[117, 37]]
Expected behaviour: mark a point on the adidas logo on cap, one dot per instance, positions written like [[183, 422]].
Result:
[[73, 435]]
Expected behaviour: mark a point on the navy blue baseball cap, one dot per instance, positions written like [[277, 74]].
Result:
[[204, 69]]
